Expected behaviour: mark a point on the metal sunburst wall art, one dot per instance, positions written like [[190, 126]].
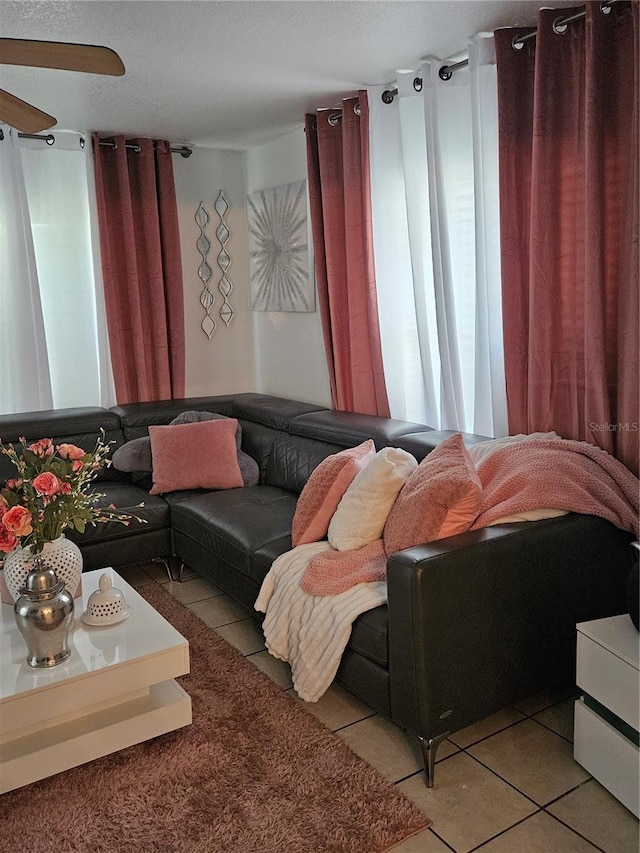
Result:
[[204, 272], [279, 249]]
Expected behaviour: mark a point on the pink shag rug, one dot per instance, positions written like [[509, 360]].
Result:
[[254, 773]]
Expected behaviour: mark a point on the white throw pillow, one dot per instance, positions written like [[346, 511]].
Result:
[[363, 510]]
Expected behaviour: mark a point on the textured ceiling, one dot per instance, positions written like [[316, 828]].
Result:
[[232, 73]]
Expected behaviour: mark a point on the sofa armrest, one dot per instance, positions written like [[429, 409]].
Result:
[[478, 620]]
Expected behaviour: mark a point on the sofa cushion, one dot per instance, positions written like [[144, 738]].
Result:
[[262, 558], [136, 418], [79, 426], [293, 459], [324, 489], [351, 428], [441, 498], [363, 510], [195, 456], [233, 525], [127, 498], [369, 635], [274, 412]]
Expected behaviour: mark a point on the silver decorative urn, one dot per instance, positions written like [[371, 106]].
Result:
[[44, 616]]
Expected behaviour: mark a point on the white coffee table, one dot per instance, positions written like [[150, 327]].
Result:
[[115, 690]]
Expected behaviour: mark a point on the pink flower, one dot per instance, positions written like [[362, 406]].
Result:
[[70, 451], [17, 520], [77, 466], [7, 540], [42, 448], [46, 483], [65, 488]]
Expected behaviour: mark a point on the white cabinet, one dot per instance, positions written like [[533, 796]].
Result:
[[607, 715]]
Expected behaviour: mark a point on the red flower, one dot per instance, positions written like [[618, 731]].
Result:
[[42, 448], [17, 521], [70, 451], [7, 540], [46, 483]]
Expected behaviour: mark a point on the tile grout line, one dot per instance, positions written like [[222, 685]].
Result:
[[486, 737], [504, 831], [584, 838], [540, 807]]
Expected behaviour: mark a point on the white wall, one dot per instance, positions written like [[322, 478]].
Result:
[[224, 363], [289, 350]]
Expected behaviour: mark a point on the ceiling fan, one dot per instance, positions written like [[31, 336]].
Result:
[[90, 58]]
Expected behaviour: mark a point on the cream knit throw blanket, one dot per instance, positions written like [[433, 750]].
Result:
[[310, 631]]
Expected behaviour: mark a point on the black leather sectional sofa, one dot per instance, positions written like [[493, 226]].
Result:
[[473, 622]]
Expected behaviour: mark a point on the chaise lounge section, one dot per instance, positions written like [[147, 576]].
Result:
[[473, 622]]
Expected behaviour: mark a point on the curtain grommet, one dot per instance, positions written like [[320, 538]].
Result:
[[559, 27], [517, 43]]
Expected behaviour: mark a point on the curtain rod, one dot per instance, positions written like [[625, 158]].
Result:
[[50, 139], [183, 151], [446, 71]]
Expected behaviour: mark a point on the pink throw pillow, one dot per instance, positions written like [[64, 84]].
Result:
[[195, 456], [323, 490], [441, 498]]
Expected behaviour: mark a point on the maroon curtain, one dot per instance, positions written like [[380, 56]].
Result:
[[568, 136], [142, 268], [340, 203]]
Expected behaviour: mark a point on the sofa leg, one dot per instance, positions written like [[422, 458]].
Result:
[[429, 748], [167, 565], [180, 571]]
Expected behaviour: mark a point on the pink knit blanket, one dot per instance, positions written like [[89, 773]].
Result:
[[333, 572], [568, 475]]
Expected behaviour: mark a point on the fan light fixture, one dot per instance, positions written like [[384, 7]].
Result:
[[89, 58]]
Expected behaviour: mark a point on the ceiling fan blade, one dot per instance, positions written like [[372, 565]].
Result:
[[23, 116], [62, 55]]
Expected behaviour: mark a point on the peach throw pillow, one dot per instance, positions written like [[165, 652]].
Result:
[[441, 498], [195, 456], [323, 490]]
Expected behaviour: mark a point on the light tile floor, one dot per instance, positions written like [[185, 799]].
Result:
[[507, 784]]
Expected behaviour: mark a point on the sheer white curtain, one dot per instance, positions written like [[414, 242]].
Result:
[[24, 367], [50, 278], [434, 188]]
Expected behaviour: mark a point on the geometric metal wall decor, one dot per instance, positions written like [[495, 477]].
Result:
[[204, 272], [224, 259], [279, 249]]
